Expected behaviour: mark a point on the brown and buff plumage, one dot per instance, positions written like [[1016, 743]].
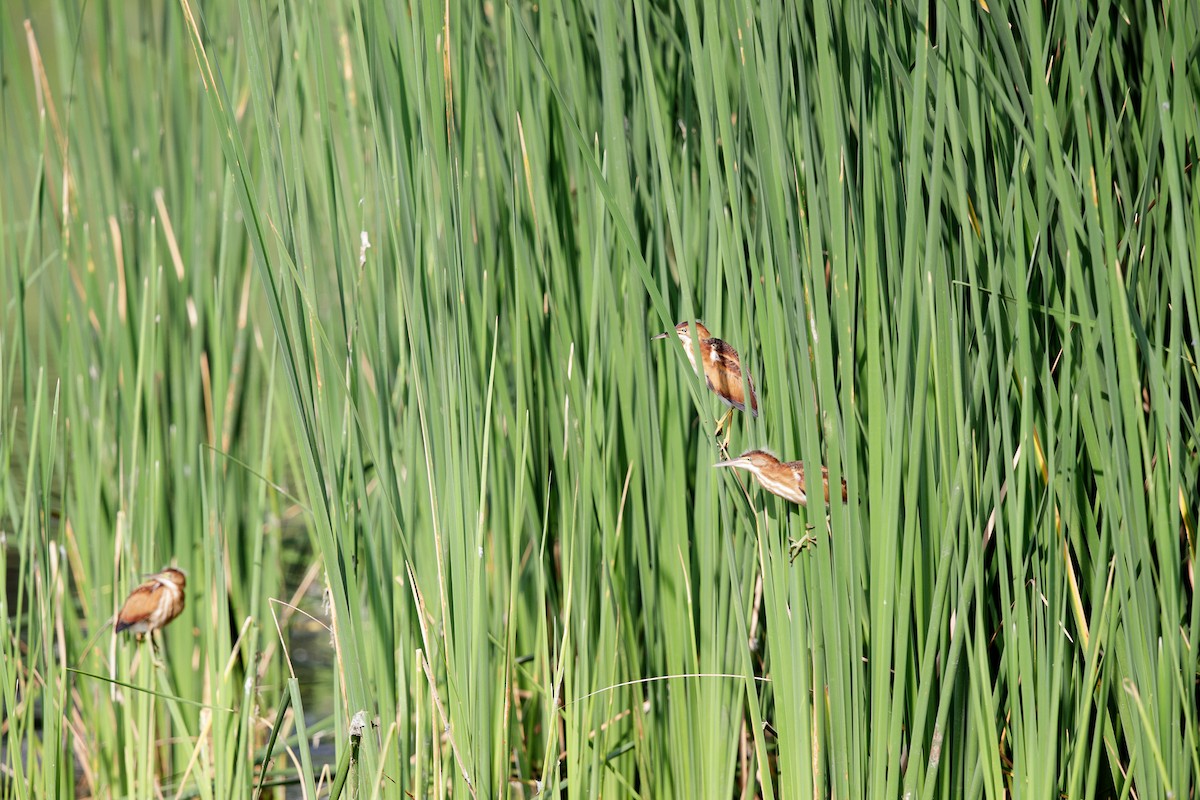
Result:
[[723, 374], [721, 365], [785, 479], [154, 604]]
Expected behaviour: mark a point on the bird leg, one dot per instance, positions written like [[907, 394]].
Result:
[[155, 654], [151, 638], [723, 423]]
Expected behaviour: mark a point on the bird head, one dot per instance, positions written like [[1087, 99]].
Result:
[[757, 461], [685, 336], [174, 575], [684, 333]]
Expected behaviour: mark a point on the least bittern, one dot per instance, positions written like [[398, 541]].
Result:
[[722, 371], [155, 603], [783, 479]]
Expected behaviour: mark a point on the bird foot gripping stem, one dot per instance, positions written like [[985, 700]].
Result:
[[798, 546]]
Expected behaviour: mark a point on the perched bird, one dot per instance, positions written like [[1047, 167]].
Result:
[[783, 479], [153, 604], [722, 369]]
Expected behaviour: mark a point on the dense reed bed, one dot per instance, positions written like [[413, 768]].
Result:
[[346, 307]]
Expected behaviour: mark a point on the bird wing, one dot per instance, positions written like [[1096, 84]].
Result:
[[724, 376], [825, 481], [798, 468], [138, 606]]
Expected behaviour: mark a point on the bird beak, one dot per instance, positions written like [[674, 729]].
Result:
[[660, 336], [733, 462]]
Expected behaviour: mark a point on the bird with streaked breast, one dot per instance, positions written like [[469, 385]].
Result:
[[780, 478], [153, 604], [721, 365]]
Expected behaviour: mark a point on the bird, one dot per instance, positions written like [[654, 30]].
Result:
[[722, 370], [153, 604], [784, 479]]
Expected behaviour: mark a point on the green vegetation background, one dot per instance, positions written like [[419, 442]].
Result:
[[956, 245]]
